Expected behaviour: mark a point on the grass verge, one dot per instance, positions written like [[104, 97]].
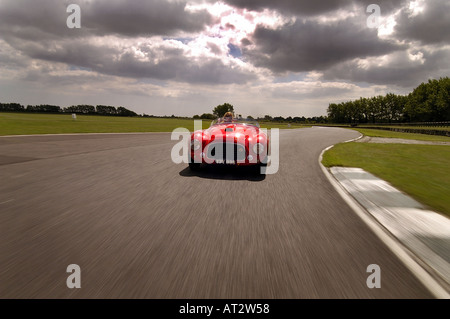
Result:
[[421, 171], [27, 124], [418, 127], [269, 125], [408, 136]]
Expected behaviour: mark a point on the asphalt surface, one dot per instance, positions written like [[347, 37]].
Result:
[[140, 226]]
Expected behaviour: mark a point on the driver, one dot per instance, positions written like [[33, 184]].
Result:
[[228, 117]]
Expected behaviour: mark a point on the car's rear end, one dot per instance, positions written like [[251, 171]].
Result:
[[229, 144]]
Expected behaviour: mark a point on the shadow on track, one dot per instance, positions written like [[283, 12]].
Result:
[[250, 173]]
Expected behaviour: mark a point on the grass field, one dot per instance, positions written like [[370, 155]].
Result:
[[269, 125], [409, 136], [375, 126], [439, 128], [26, 124], [421, 171]]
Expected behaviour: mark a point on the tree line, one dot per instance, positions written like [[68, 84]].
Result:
[[221, 109], [77, 109], [429, 102]]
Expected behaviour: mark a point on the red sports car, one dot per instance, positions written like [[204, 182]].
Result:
[[229, 141]]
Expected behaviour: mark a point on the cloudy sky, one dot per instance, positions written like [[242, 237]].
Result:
[[285, 57]]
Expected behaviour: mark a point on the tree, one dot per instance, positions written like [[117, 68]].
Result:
[[121, 111], [45, 108], [106, 110], [373, 109], [298, 119], [428, 102], [278, 119], [11, 107], [336, 113], [220, 110], [363, 104], [394, 107], [81, 109], [443, 99], [417, 106], [207, 116]]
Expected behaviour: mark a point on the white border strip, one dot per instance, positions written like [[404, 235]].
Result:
[[421, 274]]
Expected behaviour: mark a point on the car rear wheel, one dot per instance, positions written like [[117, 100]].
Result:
[[193, 166]]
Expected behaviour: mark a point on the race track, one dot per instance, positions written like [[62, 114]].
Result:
[[140, 226]]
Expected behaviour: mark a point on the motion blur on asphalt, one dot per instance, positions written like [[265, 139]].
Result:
[[140, 226]]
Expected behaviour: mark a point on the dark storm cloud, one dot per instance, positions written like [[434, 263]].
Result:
[[175, 67], [305, 7], [37, 29], [399, 71], [308, 45], [246, 42], [308, 7], [140, 17], [171, 63], [431, 26], [31, 20], [47, 18]]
